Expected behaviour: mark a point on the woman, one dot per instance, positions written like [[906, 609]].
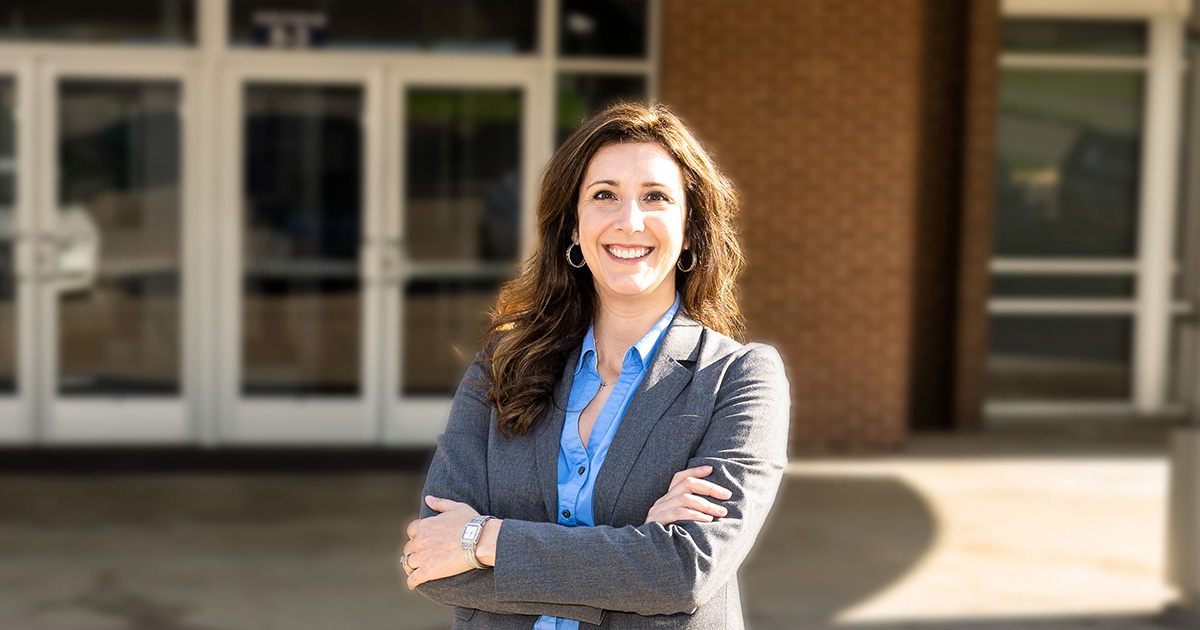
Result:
[[622, 450]]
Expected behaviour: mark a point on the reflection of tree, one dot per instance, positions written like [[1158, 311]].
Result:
[[462, 178], [1086, 205]]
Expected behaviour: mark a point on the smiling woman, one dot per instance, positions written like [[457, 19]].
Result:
[[611, 453], [631, 218]]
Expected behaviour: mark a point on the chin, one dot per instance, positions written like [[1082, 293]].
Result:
[[631, 288]]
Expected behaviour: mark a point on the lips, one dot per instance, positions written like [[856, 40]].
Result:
[[628, 253]]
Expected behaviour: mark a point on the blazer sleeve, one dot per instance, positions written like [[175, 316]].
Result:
[[657, 569], [459, 472]]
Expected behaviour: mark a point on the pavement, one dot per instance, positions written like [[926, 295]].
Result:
[[1021, 530]]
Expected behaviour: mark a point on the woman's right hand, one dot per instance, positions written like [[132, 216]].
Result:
[[685, 499]]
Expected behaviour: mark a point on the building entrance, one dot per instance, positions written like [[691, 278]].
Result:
[[225, 223], [370, 218], [263, 253]]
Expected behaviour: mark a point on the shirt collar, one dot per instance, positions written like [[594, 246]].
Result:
[[644, 347]]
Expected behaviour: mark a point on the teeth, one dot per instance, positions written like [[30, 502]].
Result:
[[628, 252]]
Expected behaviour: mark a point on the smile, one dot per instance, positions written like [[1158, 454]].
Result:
[[628, 253]]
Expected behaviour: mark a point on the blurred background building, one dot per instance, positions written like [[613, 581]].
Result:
[[282, 222]]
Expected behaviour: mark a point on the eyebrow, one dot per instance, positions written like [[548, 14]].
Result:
[[613, 183]]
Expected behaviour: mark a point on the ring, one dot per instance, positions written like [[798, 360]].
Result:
[[404, 562]]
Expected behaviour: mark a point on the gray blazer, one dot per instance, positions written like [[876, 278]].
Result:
[[705, 399]]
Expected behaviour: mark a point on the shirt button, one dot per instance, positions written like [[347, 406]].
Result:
[[566, 513], [581, 469]]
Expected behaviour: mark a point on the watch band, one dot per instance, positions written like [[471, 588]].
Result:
[[470, 538]]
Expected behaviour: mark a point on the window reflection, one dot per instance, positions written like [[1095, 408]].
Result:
[[1068, 163], [603, 28], [1059, 357], [1100, 37], [443, 323], [462, 205], [1064, 286], [302, 217], [582, 95], [110, 21], [468, 26], [463, 179], [118, 235]]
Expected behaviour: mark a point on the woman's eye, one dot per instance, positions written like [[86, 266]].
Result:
[[656, 196], [604, 194]]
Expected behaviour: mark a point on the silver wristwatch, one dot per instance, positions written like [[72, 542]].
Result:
[[470, 538]]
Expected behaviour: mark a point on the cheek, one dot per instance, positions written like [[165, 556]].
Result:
[[587, 230], [676, 230]]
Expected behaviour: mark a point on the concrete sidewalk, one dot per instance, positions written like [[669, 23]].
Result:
[[1014, 531]]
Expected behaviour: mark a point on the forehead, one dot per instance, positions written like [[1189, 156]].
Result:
[[634, 162]]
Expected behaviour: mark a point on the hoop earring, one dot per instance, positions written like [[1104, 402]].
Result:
[[582, 260], [693, 257]]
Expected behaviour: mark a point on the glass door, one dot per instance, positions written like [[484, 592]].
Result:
[[366, 232], [466, 163], [301, 153], [109, 255]]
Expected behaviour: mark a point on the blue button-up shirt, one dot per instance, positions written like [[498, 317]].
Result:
[[578, 467]]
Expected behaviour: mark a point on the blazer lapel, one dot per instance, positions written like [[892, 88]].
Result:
[[665, 379], [549, 436]]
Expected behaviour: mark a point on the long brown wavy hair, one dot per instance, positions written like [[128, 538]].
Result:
[[543, 314]]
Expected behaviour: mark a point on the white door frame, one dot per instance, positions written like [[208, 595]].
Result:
[[105, 419], [17, 411]]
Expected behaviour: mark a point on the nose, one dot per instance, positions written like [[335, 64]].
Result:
[[629, 219]]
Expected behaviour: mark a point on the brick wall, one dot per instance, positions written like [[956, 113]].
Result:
[[818, 110], [810, 108]]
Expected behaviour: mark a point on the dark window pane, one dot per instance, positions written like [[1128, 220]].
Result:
[[302, 219], [582, 95], [1068, 162], [443, 324], [1059, 358], [603, 28], [1062, 286], [484, 26], [1101, 37], [8, 175], [110, 21], [463, 180], [118, 268]]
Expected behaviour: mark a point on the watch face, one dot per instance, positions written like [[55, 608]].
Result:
[[471, 532]]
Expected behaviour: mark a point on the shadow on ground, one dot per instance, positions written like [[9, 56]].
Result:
[[832, 542]]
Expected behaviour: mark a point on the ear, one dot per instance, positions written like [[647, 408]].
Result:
[[575, 235]]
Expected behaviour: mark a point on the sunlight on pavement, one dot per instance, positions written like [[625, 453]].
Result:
[[1040, 536]]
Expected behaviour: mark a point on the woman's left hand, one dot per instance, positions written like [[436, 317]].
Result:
[[434, 549]]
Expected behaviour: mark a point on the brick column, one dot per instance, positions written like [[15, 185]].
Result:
[[812, 107]]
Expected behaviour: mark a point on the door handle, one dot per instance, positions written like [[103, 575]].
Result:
[[390, 251], [37, 242]]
